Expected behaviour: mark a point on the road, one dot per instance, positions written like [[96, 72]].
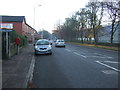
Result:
[[77, 67]]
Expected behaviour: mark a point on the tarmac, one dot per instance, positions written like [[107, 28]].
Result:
[[17, 71]]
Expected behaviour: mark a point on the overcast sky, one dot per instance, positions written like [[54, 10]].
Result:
[[46, 15]]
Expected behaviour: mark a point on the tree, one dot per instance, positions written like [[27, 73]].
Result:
[[114, 13], [82, 19], [69, 28], [93, 8]]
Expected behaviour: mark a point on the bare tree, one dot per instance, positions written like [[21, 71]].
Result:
[[82, 19], [93, 7], [114, 13]]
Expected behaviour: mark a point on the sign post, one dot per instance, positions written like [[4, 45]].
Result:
[[7, 43]]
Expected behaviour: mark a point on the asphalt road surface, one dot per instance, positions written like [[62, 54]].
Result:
[[77, 67]]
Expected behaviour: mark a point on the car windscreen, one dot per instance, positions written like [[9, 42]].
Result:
[[61, 41], [42, 43]]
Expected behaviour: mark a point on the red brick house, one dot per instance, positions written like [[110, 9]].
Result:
[[20, 26], [17, 23]]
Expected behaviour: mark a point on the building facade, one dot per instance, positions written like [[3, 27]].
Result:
[[20, 26], [17, 23]]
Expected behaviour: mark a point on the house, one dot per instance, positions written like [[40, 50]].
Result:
[[18, 23]]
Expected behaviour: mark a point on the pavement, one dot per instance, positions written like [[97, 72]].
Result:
[[17, 71]]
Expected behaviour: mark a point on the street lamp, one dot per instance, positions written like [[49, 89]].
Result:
[[34, 16], [34, 21]]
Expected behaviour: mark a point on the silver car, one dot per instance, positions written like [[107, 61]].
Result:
[[43, 46], [60, 43]]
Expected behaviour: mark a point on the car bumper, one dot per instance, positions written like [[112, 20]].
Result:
[[43, 52], [60, 45]]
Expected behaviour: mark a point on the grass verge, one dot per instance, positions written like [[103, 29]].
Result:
[[97, 46]]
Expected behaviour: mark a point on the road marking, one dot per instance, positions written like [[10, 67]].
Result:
[[30, 72], [79, 54], [112, 62], [108, 66], [109, 72], [68, 50], [98, 56], [103, 55]]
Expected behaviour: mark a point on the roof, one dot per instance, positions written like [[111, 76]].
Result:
[[13, 18]]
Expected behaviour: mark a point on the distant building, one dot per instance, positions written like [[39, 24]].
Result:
[[20, 26]]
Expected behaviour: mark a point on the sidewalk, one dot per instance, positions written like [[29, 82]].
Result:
[[16, 71]]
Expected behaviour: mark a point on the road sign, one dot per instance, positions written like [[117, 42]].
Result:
[[6, 26], [6, 30]]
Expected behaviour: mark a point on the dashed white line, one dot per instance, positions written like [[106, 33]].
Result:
[[108, 66], [79, 54]]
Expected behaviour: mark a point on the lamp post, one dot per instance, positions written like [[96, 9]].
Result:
[[34, 21], [34, 16]]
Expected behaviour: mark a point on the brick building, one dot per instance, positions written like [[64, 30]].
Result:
[[20, 26], [17, 23]]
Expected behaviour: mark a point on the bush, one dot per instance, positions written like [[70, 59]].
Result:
[[14, 35], [23, 40]]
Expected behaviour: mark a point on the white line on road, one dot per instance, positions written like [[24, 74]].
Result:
[[109, 72], [68, 50], [108, 66], [103, 55], [98, 56], [112, 62], [79, 54]]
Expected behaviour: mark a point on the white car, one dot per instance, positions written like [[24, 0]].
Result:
[[60, 43], [43, 46]]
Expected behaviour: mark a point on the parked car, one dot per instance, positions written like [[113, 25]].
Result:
[[60, 43], [43, 46]]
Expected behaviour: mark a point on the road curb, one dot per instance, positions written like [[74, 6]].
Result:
[[28, 81]]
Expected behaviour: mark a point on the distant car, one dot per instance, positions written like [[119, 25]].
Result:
[[60, 43], [43, 46]]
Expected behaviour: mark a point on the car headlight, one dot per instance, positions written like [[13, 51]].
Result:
[[49, 48], [36, 47]]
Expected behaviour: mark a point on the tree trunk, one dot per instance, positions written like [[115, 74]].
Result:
[[94, 34], [112, 31]]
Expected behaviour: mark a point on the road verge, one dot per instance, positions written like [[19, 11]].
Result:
[[97, 46]]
